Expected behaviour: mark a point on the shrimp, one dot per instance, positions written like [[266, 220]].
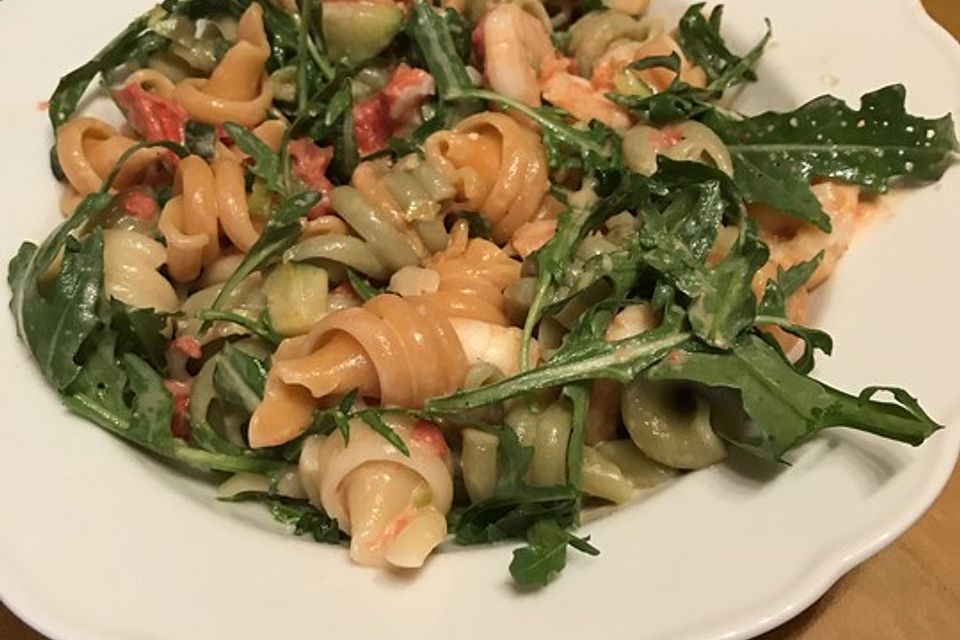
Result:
[[578, 96], [484, 342], [521, 63], [515, 47], [792, 242]]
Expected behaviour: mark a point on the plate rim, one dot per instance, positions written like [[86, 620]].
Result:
[[787, 603]]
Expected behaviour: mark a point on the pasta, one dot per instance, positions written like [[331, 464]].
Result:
[[538, 276], [238, 90], [394, 506], [498, 167], [400, 350]]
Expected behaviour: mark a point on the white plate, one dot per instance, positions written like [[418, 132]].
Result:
[[100, 542]]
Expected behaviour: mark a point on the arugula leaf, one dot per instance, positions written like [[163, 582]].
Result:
[[55, 323], [545, 554], [772, 310], [306, 520], [700, 39], [260, 328], [126, 397], [266, 162], [514, 506], [432, 35], [786, 407], [681, 101], [726, 306], [239, 378], [136, 42], [281, 233], [573, 225], [361, 286], [776, 155], [140, 331], [583, 356], [373, 419], [579, 395]]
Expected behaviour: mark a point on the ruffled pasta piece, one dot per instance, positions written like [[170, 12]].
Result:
[[205, 199], [239, 89], [402, 350], [88, 149], [130, 263], [498, 168], [393, 506]]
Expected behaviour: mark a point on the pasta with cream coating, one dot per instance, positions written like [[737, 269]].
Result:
[[393, 506]]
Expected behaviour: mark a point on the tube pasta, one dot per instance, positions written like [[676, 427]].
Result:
[[130, 263], [88, 149], [392, 506], [239, 89], [670, 424], [604, 479], [634, 464], [547, 432], [498, 168]]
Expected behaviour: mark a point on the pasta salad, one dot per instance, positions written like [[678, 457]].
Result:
[[414, 272]]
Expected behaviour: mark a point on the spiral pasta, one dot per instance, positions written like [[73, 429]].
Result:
[[130, 263], [392, 505], [88, 149], [402, 350], [239, 89], [205, 199], [498, 168]]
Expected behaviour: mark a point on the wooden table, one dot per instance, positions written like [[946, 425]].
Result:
[[910, 591]]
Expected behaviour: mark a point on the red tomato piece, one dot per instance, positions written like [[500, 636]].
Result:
[[188, 346], [138, 204], [371, 124], [179, 426], [309, 165], [155, 118], [407, 89]]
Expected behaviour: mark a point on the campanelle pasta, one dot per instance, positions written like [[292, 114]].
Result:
[[466, 284]]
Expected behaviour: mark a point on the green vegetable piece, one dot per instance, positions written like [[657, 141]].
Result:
[[776, 155], [55, 321], [280, 234], [786, 407], [239, 378], [359, 31], [545, 554], [200, 139], [266, 163], [296, 297]]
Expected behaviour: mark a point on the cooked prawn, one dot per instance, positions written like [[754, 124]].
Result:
[[521, 63]]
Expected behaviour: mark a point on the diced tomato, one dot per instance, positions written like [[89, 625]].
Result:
[[429, 435], [188, 346], [309, 165], [179, 426], [138, 204], [377, 118], [407, 89], [371, 124], [155, 118]]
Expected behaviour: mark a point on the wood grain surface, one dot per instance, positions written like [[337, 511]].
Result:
[[909, 591]]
